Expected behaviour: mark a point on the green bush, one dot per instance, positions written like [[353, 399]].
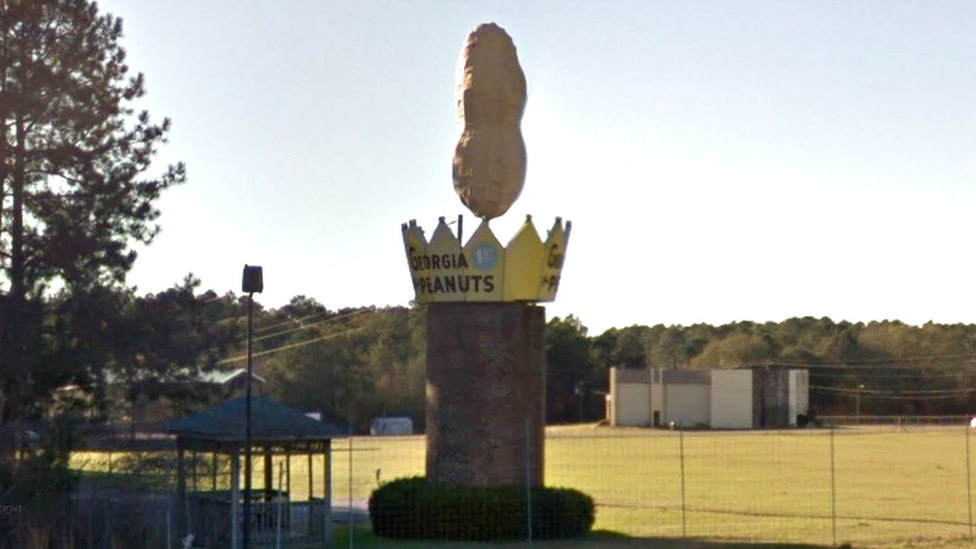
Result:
[[412, 508], [36, 492]]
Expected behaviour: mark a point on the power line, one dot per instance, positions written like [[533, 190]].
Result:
[[291, 346], [319, 323], [921, 392], [291, 321], [877, 362], [892, 365], [918, 375], [313, 315], [935, 394]]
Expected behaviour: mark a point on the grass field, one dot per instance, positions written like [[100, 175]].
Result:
[[888, 488]]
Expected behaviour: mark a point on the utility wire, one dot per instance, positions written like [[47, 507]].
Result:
[[921, 392], [894, 395], [309, 325], [290, 321], [878, 362], [860, 366], [290, 346], [918, 376]]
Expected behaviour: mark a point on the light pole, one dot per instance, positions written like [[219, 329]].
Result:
[[253, 281], [580, 389], [857, 404]]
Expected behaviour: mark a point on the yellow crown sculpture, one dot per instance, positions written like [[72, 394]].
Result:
[[527, 269], [488, 173]]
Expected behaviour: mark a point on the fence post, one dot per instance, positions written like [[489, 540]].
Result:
[[169, 506], [280, 500], [351, 531], [833, 488], [681, 453], [969, 485]]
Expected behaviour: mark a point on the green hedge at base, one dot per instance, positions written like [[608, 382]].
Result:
[[412, 508]]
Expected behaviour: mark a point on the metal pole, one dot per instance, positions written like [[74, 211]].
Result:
[[580, 389], [169, 507], [969, 484], [247, 429], [833, 488], [681, 450], [351, 536]]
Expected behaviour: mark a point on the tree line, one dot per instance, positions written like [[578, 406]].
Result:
[[361, 363], [883, 367], [114, 349], [356, 364]]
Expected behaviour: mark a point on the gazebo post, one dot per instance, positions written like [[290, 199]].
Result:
[[310, 485], [288, 470], [327, 464], [181, 487], [268, 473], [287, 494], [194, 458], [235, 498], [311, 492], [267, 515]]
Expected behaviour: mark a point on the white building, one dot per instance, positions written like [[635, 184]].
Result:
[[717, 399], [395, 426]]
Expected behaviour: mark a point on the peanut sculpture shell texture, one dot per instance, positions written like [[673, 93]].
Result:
[[489, 158]]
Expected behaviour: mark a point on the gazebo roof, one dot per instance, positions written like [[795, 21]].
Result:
[[271, 422]]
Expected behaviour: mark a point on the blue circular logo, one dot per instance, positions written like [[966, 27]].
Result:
[[484, 256]]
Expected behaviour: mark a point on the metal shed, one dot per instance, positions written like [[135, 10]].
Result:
[[748, 398]]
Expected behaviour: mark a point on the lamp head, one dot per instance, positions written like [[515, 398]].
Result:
[[253, 280]]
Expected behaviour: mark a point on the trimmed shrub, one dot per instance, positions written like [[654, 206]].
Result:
[[412, 508]]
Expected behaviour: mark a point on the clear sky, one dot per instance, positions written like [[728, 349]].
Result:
[[719, 160]]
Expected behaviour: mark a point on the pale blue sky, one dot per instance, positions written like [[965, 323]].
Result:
[[719, 160]]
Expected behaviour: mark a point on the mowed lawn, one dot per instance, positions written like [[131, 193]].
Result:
[[889, 488]]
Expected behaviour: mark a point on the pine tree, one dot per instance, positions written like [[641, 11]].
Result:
[[74, 153]]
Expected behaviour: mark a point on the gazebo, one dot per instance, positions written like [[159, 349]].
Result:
[[215, 516]]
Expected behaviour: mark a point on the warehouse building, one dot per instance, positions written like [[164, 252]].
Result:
[[756, 398]]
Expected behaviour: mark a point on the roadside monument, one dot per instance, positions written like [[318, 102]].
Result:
[[485, 332]]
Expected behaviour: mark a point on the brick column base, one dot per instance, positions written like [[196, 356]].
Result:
[[486, 387]]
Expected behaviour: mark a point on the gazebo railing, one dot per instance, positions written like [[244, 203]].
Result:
[[300, 521], [209, 515]]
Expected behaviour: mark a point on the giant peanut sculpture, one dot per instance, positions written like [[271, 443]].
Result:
[[486, 360], [489, 92]]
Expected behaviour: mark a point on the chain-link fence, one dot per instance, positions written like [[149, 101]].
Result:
[[858, 484], [830, 485]]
